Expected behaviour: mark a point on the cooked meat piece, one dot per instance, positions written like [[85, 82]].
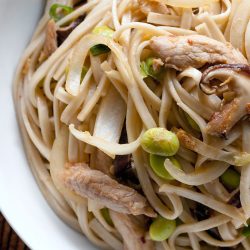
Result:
[[95, 185], [221, 122], [64, 32], [147, 6], [186, 140], [236, 77], [50, 44], [129, 229], [180, 52], [157, 64]]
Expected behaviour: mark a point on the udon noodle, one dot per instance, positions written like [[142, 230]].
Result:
[[97, 75]]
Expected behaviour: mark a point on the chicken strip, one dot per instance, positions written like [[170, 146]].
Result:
[[129, 229], [50, 44], [180, 52], [94, 184]]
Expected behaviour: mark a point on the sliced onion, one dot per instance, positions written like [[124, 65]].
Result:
[[205, 200], [110, 118], [202, 175], [107, 147]]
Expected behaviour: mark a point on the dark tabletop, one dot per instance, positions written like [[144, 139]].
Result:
[[8, 238]]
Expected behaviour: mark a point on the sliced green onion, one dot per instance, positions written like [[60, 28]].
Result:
[[246, 231], [157, 164], [147, 69], [161, 229], [144, 69], [100, 49], [230, 178], [53, 11], [104, 31], [106, 216]]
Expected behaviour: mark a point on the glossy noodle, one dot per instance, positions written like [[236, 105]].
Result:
[[135, 120]]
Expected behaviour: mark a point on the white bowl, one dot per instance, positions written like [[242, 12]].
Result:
[[21, 201]]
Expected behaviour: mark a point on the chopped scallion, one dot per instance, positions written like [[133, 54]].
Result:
[[99, 49], [53, 12], [104, 31], [147, 69]]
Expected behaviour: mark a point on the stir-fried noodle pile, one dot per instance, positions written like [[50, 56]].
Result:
[[134, 116]]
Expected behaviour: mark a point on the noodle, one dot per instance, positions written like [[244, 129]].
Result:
[[119, 69]]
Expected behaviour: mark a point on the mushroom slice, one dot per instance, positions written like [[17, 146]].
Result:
[[95, 185], [129, 229], [237, 77], [181, 52]]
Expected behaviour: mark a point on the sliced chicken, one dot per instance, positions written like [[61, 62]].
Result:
[[180, 52], [129, 229], [50, 44], [94, 184], [147, 6]]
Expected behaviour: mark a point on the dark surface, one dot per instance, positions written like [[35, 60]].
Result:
[[8, 238]]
